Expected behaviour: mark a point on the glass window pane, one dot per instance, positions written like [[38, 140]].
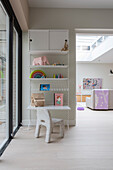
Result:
[[15, 78], [4, 34]]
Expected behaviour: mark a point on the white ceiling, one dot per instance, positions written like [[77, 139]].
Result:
[[71, 3], [105, 58]]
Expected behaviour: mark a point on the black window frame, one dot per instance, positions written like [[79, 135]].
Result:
[[13, 23]]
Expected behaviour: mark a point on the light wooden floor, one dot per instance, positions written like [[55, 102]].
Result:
[[88, 146]]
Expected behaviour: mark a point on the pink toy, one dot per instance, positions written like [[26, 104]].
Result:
[[41, 61]]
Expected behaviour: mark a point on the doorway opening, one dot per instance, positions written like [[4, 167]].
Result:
[[94, 66]]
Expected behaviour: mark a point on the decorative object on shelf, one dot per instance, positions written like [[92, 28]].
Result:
[[92, 83], [58, 76], [111, 71], [65, 46], [40, 61], [58, 64], [37, 99], [37, 74], [44, 87], [54, 76], [58, 99]]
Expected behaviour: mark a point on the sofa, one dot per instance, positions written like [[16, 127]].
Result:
[[101, 99]]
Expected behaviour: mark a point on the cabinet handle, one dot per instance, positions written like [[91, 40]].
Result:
[[30, 40]]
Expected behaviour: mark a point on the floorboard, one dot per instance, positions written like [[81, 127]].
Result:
[[88, 146]]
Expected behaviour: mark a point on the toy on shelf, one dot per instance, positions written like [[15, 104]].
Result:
[[58, 64], [37, 74], [37, 100], [58, 76], [40, 61], [65, 46]]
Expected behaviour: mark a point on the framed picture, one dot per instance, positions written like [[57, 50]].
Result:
[[58, 98], [92, 83], [44, 87]]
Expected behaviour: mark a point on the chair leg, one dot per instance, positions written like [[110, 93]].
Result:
[[48, 134], [62, 129], [37, 131], [52, 129]]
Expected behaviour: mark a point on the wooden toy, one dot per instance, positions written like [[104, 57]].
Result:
[[37, 74], [53, 75], [65, 46], [58, 76], [37, 99]]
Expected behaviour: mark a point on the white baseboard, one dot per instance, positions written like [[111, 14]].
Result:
[[33, 122]]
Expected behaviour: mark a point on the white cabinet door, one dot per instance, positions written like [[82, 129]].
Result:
[[57, 39], [38, 40]]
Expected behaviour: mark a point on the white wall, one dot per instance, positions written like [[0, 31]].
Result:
[[94, 71], [63, 19]]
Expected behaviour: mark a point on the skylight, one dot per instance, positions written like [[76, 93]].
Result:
[[85, 45]]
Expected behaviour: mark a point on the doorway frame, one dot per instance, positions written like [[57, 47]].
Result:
[[89, 31]]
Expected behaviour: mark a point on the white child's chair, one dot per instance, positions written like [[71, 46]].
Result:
[[44, 118]]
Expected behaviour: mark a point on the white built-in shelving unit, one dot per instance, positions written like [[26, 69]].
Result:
[[49, 43]]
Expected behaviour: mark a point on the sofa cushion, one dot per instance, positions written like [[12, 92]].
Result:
[[101, 99]]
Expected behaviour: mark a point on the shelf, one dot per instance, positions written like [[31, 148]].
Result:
[[51, 90], [50, 107], [48, 66], [46, 79], [48, 52]]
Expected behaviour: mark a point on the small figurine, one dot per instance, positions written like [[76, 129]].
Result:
[[65, 46], [53, 75], [58, 76]]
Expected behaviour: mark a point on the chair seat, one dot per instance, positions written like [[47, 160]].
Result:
[[54, 120]]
